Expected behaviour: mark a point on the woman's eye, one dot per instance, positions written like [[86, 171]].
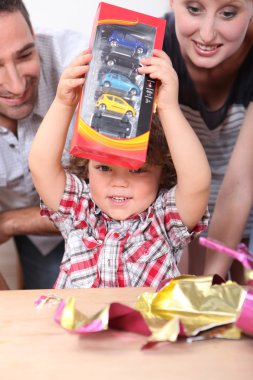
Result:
[[228, 14], [193, 9]]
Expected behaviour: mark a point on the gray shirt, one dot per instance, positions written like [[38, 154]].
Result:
[[56, 51]]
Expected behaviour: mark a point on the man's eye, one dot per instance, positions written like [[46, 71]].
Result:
[[25, 55]]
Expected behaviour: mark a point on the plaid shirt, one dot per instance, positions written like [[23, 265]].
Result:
[[100, 252]]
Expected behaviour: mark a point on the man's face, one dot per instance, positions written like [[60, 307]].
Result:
[[19, 69]]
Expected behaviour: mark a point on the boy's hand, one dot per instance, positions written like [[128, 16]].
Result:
[[159, 67], [72, 80]]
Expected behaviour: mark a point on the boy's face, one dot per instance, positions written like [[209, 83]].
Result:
[[122, 192], [19, 69]]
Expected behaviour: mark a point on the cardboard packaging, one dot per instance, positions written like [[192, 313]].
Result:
[[116, 105]]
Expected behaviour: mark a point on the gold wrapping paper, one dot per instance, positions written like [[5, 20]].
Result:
[[248, 276], [189, 305], [72, 319]]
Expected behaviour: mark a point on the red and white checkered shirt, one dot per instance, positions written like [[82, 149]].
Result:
[[143, 250]]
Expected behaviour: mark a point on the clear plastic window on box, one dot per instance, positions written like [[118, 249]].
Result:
[[113, 92]]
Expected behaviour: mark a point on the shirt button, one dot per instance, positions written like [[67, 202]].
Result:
[[12, 145], [116, 234]]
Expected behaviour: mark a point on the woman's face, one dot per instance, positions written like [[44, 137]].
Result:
[[211, 31]]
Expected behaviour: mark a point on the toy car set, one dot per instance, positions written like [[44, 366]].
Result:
[[116, 105]]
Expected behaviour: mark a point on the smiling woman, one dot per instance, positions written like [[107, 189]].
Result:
[[210, 45]]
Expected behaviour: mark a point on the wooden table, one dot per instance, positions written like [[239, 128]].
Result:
[[33, 346]]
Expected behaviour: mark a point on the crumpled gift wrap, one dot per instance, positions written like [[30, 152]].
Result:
[[248, 276], [245, 319], [116, 316], [188, 306], [72, 319]]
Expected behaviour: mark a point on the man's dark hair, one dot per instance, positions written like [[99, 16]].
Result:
[[11, 6]]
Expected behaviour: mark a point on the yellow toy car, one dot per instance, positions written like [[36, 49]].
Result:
[[115, 104]]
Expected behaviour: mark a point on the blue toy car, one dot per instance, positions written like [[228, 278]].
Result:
[[127, 40], [119, 82]]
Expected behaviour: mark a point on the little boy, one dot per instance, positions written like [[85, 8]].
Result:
[[123, 227]]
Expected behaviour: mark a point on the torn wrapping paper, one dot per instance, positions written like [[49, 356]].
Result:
[[116, 316], [188, 307], [245, 319], [43, 300]]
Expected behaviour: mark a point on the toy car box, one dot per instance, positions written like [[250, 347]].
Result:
[[116, 105]]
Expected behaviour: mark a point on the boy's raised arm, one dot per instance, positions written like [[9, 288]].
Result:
[[193, 172], [47, 148]]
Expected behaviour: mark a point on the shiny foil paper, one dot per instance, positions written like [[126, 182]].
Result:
[[188, 307]]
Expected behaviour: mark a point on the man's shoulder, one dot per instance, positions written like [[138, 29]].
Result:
[[64, 44], [59, 35]]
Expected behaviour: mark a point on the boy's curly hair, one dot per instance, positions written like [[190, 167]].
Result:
[[157, 154]]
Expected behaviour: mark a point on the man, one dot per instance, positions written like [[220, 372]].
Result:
[[30, 66]]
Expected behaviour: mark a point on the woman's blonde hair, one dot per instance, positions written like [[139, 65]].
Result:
[[157, 154]]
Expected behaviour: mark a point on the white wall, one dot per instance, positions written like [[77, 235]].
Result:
[[79, 16]]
